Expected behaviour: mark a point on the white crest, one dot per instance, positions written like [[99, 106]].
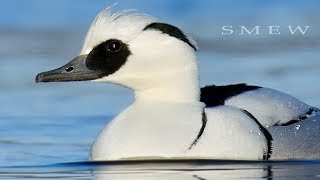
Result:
[[122, 25]]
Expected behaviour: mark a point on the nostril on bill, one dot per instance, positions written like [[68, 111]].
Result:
[[69, 69]]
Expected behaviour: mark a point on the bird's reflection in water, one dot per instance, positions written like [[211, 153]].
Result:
[[184, 170], [168, 170]]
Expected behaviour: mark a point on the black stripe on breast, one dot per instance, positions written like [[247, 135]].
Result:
[[204, 123], [171, 31], [216, 95], [299, 118], [266, 133]]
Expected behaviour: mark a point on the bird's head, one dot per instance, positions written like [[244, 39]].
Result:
[[129, 49]]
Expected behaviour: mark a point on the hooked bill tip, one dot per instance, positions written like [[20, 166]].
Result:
[[39, 78]]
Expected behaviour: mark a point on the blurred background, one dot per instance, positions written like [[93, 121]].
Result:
[[57, 122]]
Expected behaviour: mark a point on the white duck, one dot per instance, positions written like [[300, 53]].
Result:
[[171, 116]]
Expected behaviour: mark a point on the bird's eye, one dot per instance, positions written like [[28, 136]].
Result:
[[114, 46]]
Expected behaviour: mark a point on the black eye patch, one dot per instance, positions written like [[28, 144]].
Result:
[[108, 57]]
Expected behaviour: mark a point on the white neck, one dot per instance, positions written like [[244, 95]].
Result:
[[180, 87], [139, 130]]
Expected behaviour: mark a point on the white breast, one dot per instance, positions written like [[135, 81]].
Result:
[[145, 130]]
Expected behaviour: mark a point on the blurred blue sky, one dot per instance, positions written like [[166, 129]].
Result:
[[62, 13]]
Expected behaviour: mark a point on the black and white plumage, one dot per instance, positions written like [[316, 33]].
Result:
[[291, 124], [171, 116]]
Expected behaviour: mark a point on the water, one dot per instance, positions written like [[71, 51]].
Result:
[[179, 169], [46, 130]]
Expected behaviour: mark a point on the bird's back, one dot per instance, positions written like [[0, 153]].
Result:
[[292, 125]]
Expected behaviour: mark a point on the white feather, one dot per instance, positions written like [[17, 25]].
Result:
[[269, 106], [123, 25]]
